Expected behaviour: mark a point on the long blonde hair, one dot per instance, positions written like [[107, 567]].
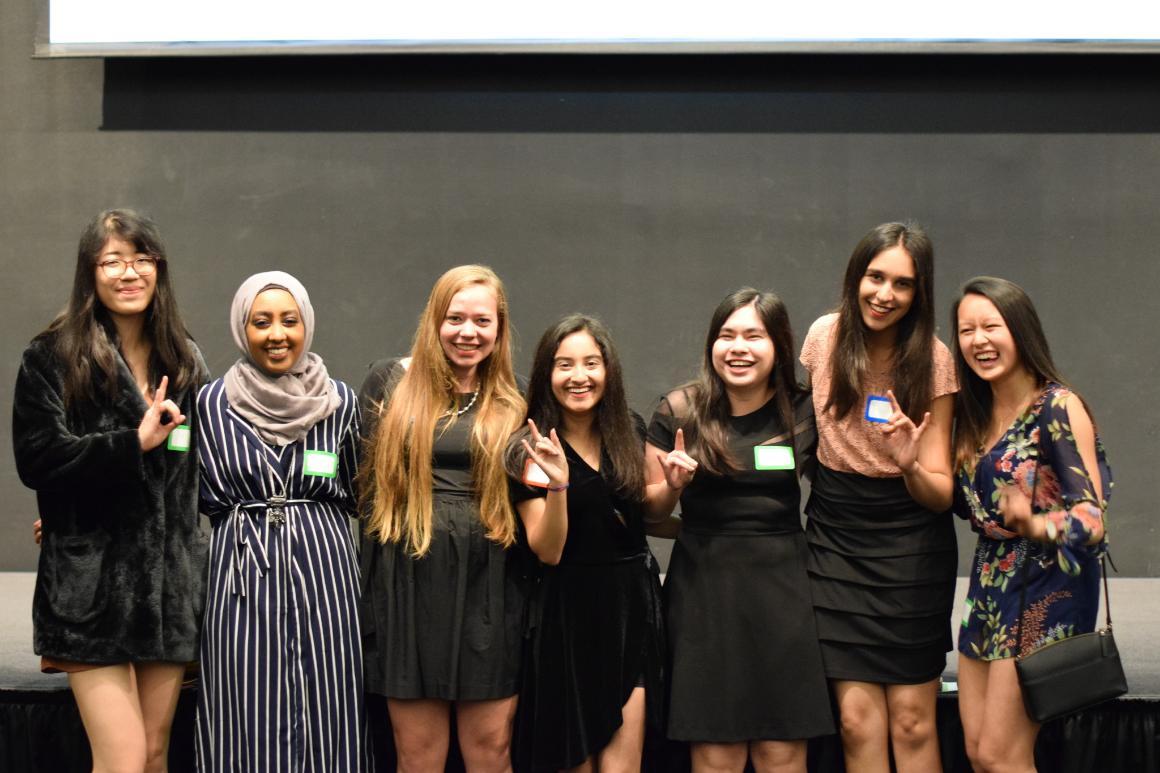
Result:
[[397, 465]]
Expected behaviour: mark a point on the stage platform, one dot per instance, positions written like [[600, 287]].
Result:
[[40, 730]]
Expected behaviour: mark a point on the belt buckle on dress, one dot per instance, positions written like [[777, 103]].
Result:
[[276, 510]]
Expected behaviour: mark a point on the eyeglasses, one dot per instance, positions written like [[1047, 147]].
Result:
[[116, 267]]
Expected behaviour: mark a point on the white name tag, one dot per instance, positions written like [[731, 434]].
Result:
[[180, 438], [534, 475], [773, 458], [321, 464], [878, 409]]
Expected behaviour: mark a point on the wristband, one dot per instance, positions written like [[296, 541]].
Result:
[[558, 488]]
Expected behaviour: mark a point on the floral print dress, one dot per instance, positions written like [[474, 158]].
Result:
[[1063, 576]]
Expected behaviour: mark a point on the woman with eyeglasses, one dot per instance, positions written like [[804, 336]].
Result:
[[103, 431]]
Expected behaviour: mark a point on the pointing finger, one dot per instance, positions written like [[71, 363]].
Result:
[[679, 442], [159, 395]]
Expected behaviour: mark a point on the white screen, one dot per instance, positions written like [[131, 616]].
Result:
[[110, 24]]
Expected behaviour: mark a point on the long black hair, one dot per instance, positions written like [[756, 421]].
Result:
[[974, 400], [84, 335], [619, 430], [709, 412], [913, 355]]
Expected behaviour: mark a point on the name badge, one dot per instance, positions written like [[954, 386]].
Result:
[[773, 458], [534, 475], [322, 464], [180, 438], [878, 409]]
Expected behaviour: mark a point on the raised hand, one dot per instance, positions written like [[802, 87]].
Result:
[[678, 466], [155, 425], [548, 453], [902, 436]]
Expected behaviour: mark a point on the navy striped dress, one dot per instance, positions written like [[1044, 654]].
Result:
[[281, 664]]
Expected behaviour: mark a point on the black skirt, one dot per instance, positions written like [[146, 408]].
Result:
[[448, 625], [882, 576], [745, 657], [597, 635]]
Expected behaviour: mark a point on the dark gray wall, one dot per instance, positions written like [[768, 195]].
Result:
[[640, 189]]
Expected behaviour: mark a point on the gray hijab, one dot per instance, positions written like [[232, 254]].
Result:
[[282, 409]]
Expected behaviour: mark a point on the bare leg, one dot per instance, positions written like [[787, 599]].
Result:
[[913, 731], [972, 703], [485, 734], [422, 733], [111, 712], [158, 686], [1006, 741], [623, 753], [778, 756], [719, 757], [865, 726]]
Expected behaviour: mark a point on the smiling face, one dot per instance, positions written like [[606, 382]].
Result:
[[274, 331], [886, 291], [468, 331], [129, 294], [743, 353], [578, 374], [985, 340]]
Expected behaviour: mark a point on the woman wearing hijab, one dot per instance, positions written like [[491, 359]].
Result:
[[281, 684]]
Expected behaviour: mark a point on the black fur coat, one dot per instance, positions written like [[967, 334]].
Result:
[[122, 563]]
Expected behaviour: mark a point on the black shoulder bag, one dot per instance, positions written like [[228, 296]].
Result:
[[1072, 674]]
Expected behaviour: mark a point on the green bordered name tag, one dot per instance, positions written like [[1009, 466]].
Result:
[[322, 464], [773, 458], [180, 438]]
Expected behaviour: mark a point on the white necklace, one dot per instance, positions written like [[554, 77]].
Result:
[[465, 408]]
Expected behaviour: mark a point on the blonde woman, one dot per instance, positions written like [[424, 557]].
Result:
[[442, 600]]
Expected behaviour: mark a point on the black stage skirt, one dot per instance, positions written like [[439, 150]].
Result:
[[882, 576], [448, 625], [596, 634], [745, 662]]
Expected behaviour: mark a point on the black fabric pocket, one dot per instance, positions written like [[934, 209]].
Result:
[[75, 587]]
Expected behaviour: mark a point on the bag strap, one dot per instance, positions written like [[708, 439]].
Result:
[[1023, 577]]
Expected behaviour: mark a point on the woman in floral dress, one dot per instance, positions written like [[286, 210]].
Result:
[[1033, 481]]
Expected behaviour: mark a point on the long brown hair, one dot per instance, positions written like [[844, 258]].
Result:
[[914, 347], [706, 427], [974, 399], [620, 438], [397, 464], [84, 335]]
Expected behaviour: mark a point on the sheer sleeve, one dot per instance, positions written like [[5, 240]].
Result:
[[805, 436], [1065, 493], [375, 392], [666, 418]]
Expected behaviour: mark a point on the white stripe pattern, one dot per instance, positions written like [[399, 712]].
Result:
[[281, 659]]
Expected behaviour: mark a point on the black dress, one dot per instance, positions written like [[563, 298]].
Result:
[[745, 660], [448, 625], [597, 631]]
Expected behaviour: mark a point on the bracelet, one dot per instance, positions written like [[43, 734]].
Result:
[[558, 488]]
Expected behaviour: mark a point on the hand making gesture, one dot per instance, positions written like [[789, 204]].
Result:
[[548, 453], [160, 419], [901, 436], [678, 466]]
